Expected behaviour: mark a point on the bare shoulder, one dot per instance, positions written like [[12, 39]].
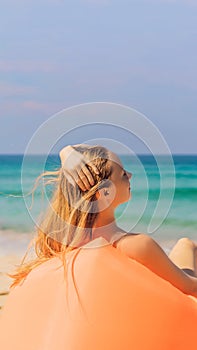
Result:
[[147, 251], [134, 244]]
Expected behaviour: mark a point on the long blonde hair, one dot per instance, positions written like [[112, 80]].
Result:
[[70, 215]]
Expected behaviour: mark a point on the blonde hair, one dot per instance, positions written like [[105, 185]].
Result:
[[70, 215]]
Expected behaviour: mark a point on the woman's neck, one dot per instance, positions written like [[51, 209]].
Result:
[[104, 219], [105, 226]]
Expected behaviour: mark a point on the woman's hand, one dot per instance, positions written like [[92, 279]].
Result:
[[76, 170]]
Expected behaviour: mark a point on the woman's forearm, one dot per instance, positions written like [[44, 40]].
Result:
[[64, 153]]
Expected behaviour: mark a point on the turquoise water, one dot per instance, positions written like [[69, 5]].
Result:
[[146, 184]]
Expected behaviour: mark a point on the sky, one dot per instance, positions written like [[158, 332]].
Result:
[[55, 54]]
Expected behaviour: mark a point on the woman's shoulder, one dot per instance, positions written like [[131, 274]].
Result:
[[133, 244]]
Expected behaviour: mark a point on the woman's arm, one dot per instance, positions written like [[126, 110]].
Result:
[[146, 251]]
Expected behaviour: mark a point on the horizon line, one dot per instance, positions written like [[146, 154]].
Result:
[[121, 154]]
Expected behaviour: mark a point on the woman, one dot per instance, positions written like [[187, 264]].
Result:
[[180, 270], [99, 298], [90, 184]]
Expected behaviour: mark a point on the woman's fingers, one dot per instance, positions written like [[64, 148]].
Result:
[[84, 176], [74, 179], [85, 171], [94, 168], [81, 184]]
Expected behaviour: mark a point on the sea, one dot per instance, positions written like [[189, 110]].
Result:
[[163, 199]]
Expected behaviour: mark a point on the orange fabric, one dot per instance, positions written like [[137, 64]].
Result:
[[124, 306]]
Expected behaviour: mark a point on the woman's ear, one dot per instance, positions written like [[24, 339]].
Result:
[[102, 193], [104, 197]]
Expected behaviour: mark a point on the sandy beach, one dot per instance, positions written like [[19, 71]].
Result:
[[7, 265], [13, 246]]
